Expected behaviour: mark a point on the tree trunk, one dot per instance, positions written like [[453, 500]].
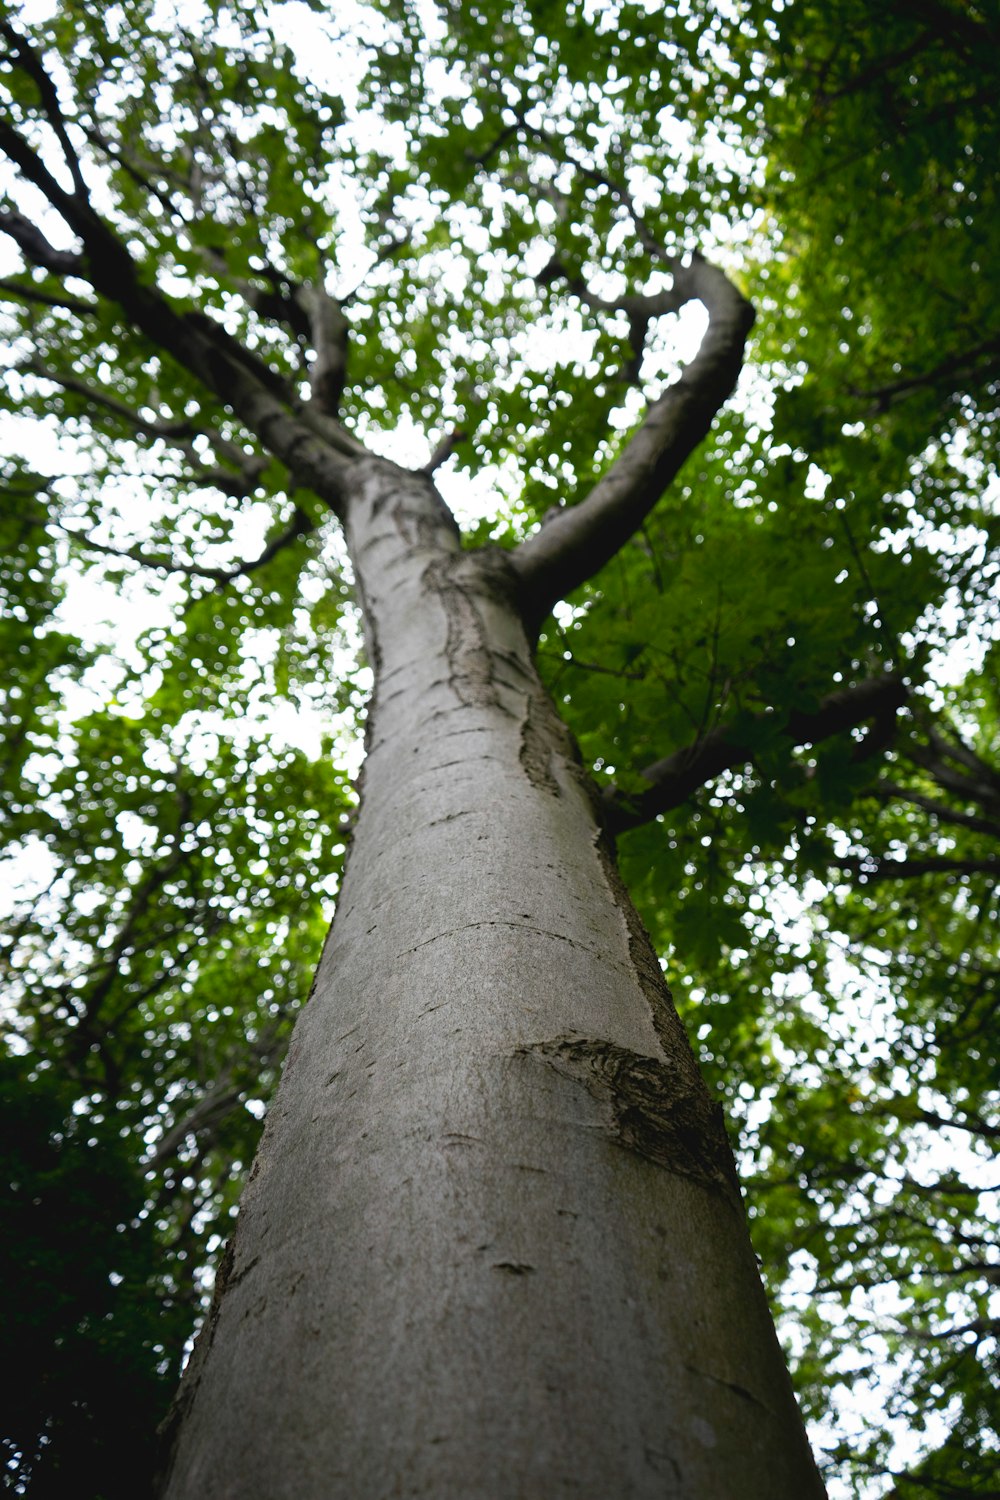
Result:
[[492, 1244]]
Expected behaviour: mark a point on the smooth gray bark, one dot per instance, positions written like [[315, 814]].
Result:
[[492, 1244]]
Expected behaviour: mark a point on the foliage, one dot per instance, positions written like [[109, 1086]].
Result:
[[482, 186], [90, 1330]]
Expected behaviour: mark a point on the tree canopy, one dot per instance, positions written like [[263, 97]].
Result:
[[474, 238]]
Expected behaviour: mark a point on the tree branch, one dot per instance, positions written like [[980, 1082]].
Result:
[[444, 449], [140, 176], [675, 778], [279, 301], [215, 1104], [972, 1123], [980, 786], [154, 427], [575, 543], [177, 434], [981, 1327], [640, 308], [891, 791], [36, 249], [142, 896], [953, 747], [32, 64], [300, 525], [237, 377], [882, 867], [19, 292], [618, 191], [882, 397], [218, 1101], [328, 332]]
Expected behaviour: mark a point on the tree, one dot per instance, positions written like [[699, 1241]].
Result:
[[493, 1217]]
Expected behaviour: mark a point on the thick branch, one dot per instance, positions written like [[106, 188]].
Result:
[[328, 333], [256, 393], [32, 64], [675, 778], [444, 449], [36, 248], [577, 542]]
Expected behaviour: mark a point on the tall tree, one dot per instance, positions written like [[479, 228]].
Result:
[[492, 1239]]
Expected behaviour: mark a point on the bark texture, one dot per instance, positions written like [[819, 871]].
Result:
[[492, 1245]]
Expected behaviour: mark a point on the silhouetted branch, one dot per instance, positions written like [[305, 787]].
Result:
[[259, 396], [675, 778], [444, 449], [36, 249], [300, 525], [31, 63], [28, 292], [890, 791], [869, 867]]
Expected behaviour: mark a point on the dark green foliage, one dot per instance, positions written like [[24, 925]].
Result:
[[90, 1323]]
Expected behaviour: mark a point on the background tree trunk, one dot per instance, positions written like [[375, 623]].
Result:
[[492, 1244]]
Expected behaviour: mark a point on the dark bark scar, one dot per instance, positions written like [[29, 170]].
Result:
[[654, 1109], [536, 752], [466, 648]]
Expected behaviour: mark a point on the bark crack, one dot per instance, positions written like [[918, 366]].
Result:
[[656, 1458], [536, 754], [730, 1385], [450, 818], [497, 922]]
